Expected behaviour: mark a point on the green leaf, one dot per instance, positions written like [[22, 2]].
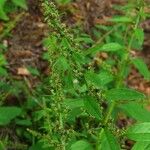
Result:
[[62, 64], [86, 40], [74, 103], [50, 43], [136, 111], [98, 80], [33, 71], [2, 146], [65, 43], [141, 146], [121, 94], [109, 47], [39, 114], [3, 72], [73, 114], [39, 146], [92, 107], [3, 47], [8, 113], [46, 42], [138, 39], [20, 3], [93, 49], [139, 35], [4, 87], [109, 141], [121, 19], [142, 68], [3, 15], [79, 58], [23, 122], [81, 145], [2, 60], [139, 132], [68, 82]]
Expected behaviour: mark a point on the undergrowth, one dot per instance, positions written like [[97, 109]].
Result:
[[77, 106]]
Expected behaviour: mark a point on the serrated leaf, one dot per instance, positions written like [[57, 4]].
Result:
[[79, 58], [92, 107], [141, 146], [39, 114], [109, 47], [62, 64], [73, 103], [81, 145], [124, 94], [68, 82], [98, 80], [142, 68], [109, 141], [139, 132], [139, 35], [8, 113], [65, 43], [20, 3], [136, 111], [73, 114]]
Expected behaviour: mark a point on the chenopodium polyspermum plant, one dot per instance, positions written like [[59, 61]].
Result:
[[65, 61], [81, 104]]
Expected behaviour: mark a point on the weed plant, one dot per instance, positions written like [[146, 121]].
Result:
[[83, 99], [78, 105]]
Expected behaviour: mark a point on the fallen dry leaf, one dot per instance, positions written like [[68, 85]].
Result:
[[23, 71], [23, 54]]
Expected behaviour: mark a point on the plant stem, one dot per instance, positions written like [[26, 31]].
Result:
[[110, 110]]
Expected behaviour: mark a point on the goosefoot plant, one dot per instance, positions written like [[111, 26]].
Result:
[[80, 101]]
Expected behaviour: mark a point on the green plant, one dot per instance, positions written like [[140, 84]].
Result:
[[78, 105], [7, 6], [8, 87], [71, 100], [10, 113]]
